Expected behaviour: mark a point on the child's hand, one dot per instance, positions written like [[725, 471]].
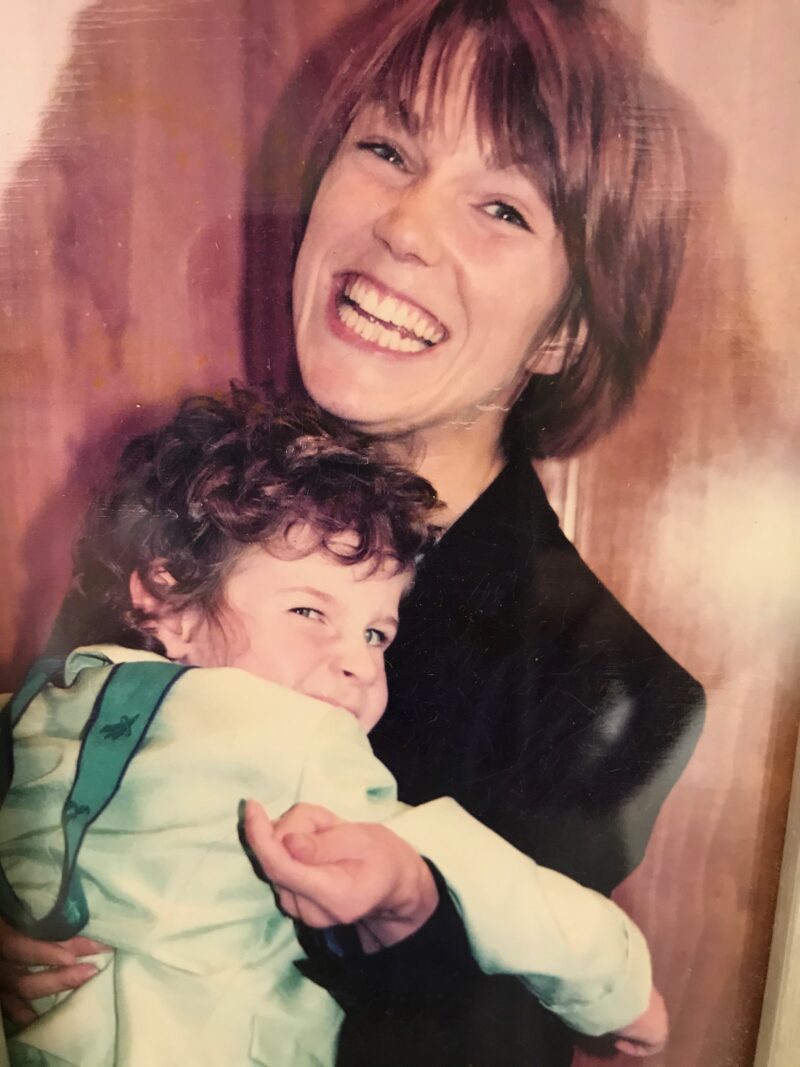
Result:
[[326, 872], [648, 1034]]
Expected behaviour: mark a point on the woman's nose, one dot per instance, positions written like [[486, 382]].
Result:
[[411, 225]]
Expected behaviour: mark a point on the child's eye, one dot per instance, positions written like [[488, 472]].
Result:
[[376, 637], [498, 209], [383, 150], [307, 613]]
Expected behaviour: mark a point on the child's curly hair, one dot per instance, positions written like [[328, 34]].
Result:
[[222, 475]]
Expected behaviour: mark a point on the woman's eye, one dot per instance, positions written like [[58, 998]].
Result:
[[383, 150], [376, 637], [307, 613], [498, 209]]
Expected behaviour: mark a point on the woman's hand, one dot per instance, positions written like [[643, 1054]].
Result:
[[18, 984], [327, 872], [648, 1034]]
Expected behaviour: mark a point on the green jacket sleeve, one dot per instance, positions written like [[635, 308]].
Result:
[[576, 951]]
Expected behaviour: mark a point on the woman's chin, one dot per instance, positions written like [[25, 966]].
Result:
[[367, 405]]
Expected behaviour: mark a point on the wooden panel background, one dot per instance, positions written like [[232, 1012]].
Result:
[[690, 513], [121, 265]]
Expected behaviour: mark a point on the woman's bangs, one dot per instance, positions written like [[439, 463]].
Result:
[[511, 120], [414, 80]]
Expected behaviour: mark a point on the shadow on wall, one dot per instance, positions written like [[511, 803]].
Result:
[[91, 464], [120, 270], [273, 193]]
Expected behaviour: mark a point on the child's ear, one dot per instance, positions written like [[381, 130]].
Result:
[[175, 629], [141, 597]]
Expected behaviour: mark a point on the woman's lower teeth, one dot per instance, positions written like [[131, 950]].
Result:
[[376, 332]]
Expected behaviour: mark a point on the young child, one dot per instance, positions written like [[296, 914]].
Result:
[[274, 554]]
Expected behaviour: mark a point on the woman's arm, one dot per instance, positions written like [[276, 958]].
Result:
[[60, 969]]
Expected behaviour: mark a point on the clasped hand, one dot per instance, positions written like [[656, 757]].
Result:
[[327, 872]]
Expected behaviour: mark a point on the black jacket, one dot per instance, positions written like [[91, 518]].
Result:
[[520, 686]]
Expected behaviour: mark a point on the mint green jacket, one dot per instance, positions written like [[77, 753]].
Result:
[[202, 971]]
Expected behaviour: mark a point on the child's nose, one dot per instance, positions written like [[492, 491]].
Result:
[[354, 659]]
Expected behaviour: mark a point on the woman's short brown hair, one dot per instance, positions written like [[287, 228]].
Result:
[[559, 90], [188, 497]]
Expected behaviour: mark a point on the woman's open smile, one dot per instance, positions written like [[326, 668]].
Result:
[[385, 320]]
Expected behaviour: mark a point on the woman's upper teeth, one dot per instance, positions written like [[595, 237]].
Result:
[[392, 311]]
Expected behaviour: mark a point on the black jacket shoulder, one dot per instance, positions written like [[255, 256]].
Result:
[[521, 686]]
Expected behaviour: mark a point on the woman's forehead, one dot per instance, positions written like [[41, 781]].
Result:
[[462, 83], [438, 88]]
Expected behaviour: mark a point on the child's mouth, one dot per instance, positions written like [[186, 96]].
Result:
[[335, 703]]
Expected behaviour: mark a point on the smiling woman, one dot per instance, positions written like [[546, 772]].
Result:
[[408, 310], [539, 117], [492, 226]]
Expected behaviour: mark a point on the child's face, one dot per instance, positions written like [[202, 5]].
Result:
[[308, 622]]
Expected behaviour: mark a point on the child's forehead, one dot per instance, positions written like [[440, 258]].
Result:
[[304, 554], [307, 545]]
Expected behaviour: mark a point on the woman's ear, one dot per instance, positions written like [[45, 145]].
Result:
[[175, 629], [548, 358]]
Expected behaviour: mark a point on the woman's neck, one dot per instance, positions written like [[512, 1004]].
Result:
[[459, 466]]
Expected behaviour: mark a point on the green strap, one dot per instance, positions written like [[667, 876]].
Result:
[[38, 676], [116, 728]]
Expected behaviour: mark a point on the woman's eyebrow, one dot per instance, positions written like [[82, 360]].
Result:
[[404, 118]]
